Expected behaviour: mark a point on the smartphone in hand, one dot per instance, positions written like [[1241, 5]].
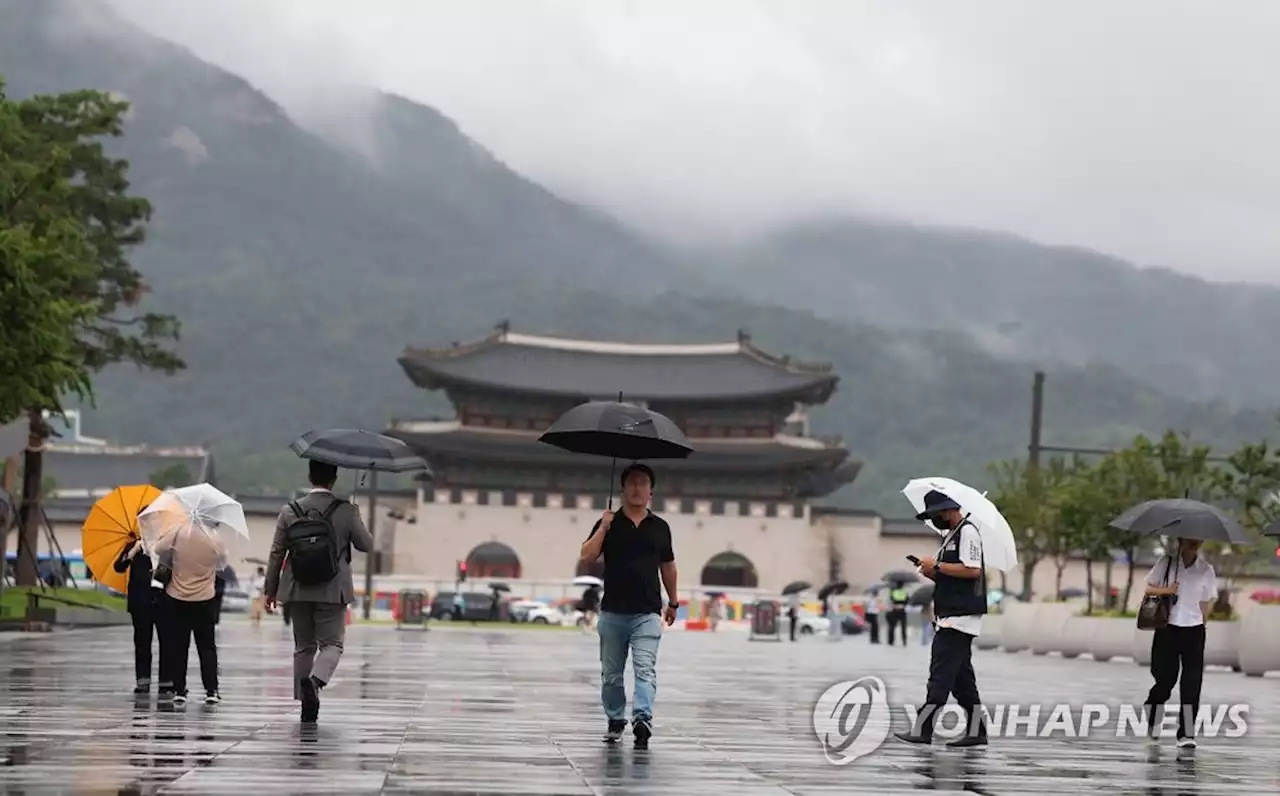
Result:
[[914, 560]]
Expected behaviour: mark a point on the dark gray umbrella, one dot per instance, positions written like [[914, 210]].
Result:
[[1071, 594], [617, 430], [922, 595], [1273, 529], [356, 449], [1186, 519], [901, 577], [797, 586], [836, 587], [610, 428], [499, 587]]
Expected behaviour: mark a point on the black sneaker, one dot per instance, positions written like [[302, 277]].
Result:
[[141, 689], [642, 728], [919, 740], [310, 701], [614, 733]]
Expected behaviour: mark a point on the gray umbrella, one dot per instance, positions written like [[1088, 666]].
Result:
[[356, 449], [1186, 519], [922, 595], [1273, 529]]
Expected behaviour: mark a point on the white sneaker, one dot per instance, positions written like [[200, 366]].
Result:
[[1186, 743], [213, 699], [180, 699]]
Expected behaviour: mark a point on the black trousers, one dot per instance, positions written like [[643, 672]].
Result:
[[180, 622], [951, 674], [873, 627], [1174, 648], [897, 619], [144, 626], [793, 617]]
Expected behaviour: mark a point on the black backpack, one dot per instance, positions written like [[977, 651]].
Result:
[[313, 545]]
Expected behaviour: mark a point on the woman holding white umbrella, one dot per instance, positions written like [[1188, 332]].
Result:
[[974, 533], [181, 530]]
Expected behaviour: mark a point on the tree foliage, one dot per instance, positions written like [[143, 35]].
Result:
[[1063, 509], [68, 290]]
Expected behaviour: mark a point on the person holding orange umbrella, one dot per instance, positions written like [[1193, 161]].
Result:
[[112, 543]]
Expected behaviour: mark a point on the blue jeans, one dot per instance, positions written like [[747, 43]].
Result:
[[639, 633]]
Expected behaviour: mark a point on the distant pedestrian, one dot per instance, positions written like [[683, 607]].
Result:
[[142, 598], [873, 609], [793, 613], [256, 600], [636, 546], [317, 532], [590, 609], [897, 617]]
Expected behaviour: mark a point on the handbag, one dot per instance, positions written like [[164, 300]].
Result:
[[1153, 614], [163, 572]]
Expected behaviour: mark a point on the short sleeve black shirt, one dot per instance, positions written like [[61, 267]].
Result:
[[632, 554]]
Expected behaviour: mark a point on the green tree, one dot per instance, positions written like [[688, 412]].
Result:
[[68, 282], [1018, 494], [171, 475]]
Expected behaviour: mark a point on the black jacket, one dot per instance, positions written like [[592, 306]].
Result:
[[141, 597]]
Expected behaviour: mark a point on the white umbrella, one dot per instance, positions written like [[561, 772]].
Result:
[[999, 550], [587, 580], [192, 508]]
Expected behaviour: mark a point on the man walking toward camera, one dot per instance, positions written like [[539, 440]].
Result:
[[636, 545], [316, 532]]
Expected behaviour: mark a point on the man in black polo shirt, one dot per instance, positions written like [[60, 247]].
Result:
[[959, 602], [636, 545]]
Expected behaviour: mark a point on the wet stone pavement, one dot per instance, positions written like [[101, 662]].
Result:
[[464, 710]]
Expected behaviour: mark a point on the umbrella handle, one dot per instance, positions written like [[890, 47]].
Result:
[[613, 465]]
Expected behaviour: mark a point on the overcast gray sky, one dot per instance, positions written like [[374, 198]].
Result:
[[1146, 128]]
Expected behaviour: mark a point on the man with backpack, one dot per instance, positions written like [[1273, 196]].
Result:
[[315, 534]]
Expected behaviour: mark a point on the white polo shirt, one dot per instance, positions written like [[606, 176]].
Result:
[[1196, 584], [970, 550]]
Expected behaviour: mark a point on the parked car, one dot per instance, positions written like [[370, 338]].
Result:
[[808, 623], [235, 601], [535, 612], [852, 624], [475, 606]]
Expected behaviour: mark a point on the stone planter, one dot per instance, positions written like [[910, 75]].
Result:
[[1259, 640], [1113, 638], [1015, 629], [1141, 649], [1048, 625], [1222, 643], [989, 638], [1076, 638]]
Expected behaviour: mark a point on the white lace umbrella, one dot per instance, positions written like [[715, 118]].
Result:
[[999, 550], [189, 509]]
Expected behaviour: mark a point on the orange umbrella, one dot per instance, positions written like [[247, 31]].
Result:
[[111, 524]]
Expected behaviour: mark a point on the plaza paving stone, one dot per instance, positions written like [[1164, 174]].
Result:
[[471, 710]]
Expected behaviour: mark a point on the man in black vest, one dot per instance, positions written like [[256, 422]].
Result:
[[959, 602], [897, 615]]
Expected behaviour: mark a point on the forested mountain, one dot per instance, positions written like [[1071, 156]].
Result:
[[301, 266]]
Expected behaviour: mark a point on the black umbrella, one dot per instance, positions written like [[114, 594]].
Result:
[[617, 430], [922, 595], [835, 587], [1186, 519], [901, 577], [356, 449], [499, 587], [714, 594], [797, 586], [1273, 529]]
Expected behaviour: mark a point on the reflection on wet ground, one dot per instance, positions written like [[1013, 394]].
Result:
[[470, 711]]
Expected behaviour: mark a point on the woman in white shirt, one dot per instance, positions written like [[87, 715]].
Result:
[[1185, 576]]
